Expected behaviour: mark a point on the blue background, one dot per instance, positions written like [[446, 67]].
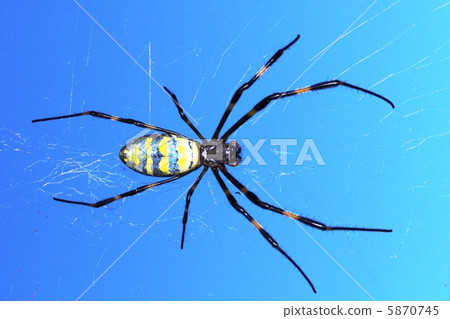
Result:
[[384, 168]]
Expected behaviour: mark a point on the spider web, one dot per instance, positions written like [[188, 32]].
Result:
[[396, 156]]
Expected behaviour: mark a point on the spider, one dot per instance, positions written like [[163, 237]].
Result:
[[170, 154]]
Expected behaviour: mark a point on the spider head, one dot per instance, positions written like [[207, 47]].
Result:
[[215, 153], [233, 153]]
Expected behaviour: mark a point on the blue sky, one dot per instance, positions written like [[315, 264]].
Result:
[[383, 168]]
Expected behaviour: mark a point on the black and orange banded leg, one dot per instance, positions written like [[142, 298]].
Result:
[[106, 201], [237, 95], [188, 201], [275, 96], [262, 231], [183, 116], [307, 221], [112, 118]]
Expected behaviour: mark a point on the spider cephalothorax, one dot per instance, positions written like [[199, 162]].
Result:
[[216, 153]]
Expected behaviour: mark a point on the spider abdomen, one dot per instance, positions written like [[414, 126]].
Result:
[[161, 155]]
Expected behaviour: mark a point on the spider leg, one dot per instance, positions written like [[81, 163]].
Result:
[[275, 96], [106, 201], [183, 116], [245, 86], [113, 118], [188, 201], [262, 231], [307, 221]]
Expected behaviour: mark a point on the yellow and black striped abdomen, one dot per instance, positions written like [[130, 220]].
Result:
[[161, 155]]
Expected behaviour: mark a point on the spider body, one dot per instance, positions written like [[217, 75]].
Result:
[[170, 154], [165, 155]]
